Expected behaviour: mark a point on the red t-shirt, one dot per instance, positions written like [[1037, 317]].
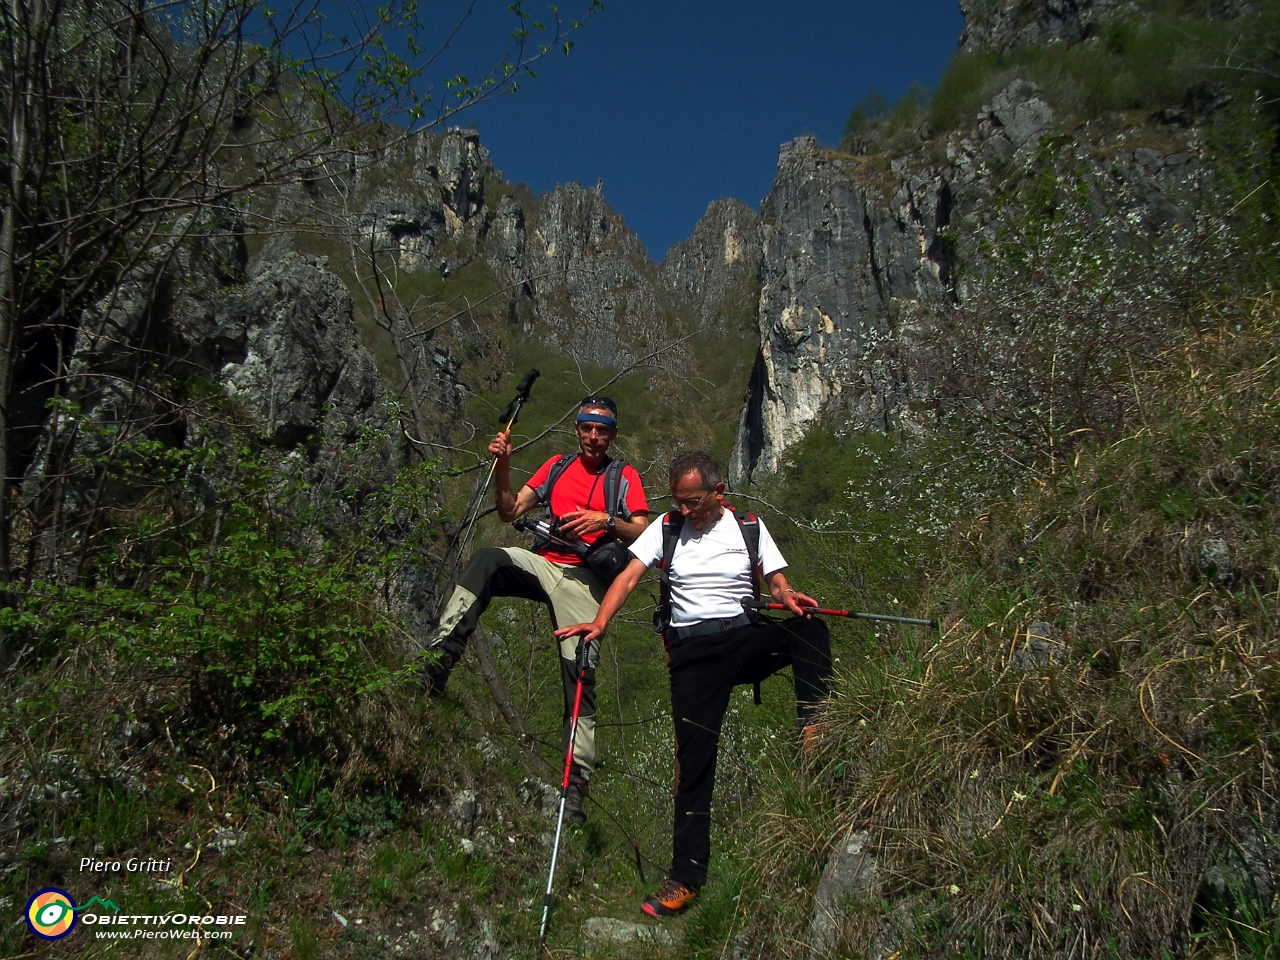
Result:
[[581, 489]]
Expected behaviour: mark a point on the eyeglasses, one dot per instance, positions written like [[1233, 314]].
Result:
[[690, 504]]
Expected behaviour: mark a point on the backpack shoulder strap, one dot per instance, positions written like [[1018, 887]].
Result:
[[672, 524], [749, 524], [543, 490], [612, 487]]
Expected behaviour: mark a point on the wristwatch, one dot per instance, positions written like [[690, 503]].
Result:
[[611, 524]]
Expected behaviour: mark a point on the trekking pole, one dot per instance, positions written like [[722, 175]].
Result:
[[584, 660], [824, 612], [510, 413]]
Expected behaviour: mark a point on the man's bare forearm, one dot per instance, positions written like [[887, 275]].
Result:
[[613, 602]]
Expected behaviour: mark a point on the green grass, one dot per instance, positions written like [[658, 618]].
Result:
[[1088, 797]]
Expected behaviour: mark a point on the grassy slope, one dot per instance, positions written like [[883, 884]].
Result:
[[1029, 807]]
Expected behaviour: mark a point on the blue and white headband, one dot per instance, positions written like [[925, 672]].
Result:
[[601, 418]]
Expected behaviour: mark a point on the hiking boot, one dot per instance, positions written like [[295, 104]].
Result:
[[811, 738], [672, 898], [433, 676], [574, 798]]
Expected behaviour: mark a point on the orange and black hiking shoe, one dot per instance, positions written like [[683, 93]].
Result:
[[811, 738], [673, 897]]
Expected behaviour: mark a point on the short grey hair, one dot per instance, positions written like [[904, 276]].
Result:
[[699, 462]]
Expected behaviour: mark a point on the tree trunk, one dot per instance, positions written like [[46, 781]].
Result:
[[489, 670], [21, 43]]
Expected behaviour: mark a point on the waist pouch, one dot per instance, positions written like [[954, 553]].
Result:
[[608, 558]]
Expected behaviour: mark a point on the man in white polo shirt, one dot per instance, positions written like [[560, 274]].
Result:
[[713, 644]]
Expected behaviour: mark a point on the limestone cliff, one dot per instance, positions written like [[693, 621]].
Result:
[[1000, 26], [835, 255], [563, 269], [715, 273], [863, 254], [596, 289]]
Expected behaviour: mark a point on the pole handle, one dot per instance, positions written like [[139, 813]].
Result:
[[584, 655], [525, 385], [514, 410], [511, 412]]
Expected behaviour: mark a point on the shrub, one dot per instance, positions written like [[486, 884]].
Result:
[[865, 116], [263, 611]]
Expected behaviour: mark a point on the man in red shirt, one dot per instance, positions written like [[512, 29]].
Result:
[[549, 573]]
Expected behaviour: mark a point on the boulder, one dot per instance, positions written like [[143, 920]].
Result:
[[1041, 645], [606, 931], [290, 352], [851, 869]]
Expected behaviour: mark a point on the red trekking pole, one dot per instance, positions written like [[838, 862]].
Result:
[[824, 612], [583, 665]]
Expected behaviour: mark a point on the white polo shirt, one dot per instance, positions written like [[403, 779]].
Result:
[[710, 572]]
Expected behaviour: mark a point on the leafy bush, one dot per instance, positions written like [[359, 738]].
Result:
[[868, 112], [263, 610], [1068, 297], [874, 125]]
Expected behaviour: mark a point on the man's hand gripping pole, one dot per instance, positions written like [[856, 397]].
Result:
[[510, 414]]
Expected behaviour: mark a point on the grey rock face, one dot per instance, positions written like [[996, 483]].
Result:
[[715, 273], [861, 267], [283, 345], [835, 257], [288, 350], [461, 165], [118, 340], [595, 283], [442, 199], [1021, 116], [1003, 24], [850, 870], [570, 269], [507, 231]]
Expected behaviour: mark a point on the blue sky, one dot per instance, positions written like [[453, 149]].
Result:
[[674, 103]]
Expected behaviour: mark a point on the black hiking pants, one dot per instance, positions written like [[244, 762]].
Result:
[[704, 671]]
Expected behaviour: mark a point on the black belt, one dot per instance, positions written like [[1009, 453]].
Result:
[[705, 628]]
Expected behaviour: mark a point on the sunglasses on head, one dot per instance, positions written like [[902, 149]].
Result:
[[594, 401]]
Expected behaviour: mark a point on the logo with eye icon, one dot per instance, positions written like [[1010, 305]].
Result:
[[51, 913]]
